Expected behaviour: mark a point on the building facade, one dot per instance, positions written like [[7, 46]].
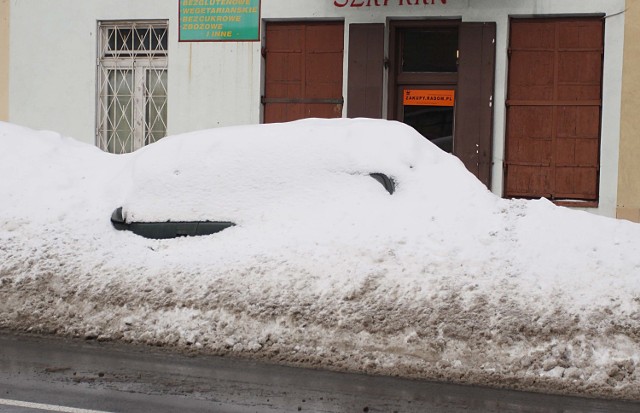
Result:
[[527, 93], [4, 60], [629, 165]]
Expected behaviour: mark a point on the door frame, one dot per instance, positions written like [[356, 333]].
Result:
[[397, 79], [473, 82]]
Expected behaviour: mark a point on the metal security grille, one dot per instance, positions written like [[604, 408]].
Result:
[[132, 84]]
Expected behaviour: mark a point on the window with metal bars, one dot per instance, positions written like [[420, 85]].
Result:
[[132, 84]]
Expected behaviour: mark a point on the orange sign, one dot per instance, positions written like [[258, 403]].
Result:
[[421, 97]]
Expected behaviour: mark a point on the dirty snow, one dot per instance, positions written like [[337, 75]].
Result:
[[441, 280]]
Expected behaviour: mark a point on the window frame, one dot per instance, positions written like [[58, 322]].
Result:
[[139, 62]]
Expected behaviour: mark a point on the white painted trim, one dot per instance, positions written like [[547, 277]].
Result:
[[49, 407]]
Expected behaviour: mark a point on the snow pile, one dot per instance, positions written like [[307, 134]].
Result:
[[440, 280]]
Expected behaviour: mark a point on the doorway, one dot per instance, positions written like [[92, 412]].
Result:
[[441, 78], [430, 111]]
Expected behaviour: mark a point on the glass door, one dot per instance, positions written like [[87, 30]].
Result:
[[430, 111], [425, 73], [441, 77]]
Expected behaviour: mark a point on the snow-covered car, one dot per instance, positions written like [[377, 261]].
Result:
[[204, 182], [441, 280]]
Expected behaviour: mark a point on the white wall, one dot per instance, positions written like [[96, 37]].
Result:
[[53, 64], [53, 68]]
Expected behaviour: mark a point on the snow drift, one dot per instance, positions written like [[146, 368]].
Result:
[[441, 280]]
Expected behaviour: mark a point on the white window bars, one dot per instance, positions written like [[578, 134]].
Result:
[[132, 84]]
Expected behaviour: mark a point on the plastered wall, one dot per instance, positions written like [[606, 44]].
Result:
[[629, 165], [4, 60]]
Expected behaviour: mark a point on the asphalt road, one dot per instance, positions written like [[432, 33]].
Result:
[[58, 375]]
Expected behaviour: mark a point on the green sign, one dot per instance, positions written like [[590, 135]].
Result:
[[219, 20]]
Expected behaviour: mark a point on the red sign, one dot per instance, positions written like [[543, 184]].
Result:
[[383, 3], [423, 97]]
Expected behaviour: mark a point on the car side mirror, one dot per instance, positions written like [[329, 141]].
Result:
[[388, 183]]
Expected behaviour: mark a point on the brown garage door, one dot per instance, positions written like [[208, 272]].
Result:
[[303, 75], [553, 108]]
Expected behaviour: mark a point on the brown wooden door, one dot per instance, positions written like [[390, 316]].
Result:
[[366, 70], [474, 102], [553, 108], [303, 74]]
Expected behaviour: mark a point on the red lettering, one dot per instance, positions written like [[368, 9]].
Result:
[[378, 3]]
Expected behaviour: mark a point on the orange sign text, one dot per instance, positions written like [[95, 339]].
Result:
[[421, 97]]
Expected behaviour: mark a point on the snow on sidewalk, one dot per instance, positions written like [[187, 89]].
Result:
[[440, 280]]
